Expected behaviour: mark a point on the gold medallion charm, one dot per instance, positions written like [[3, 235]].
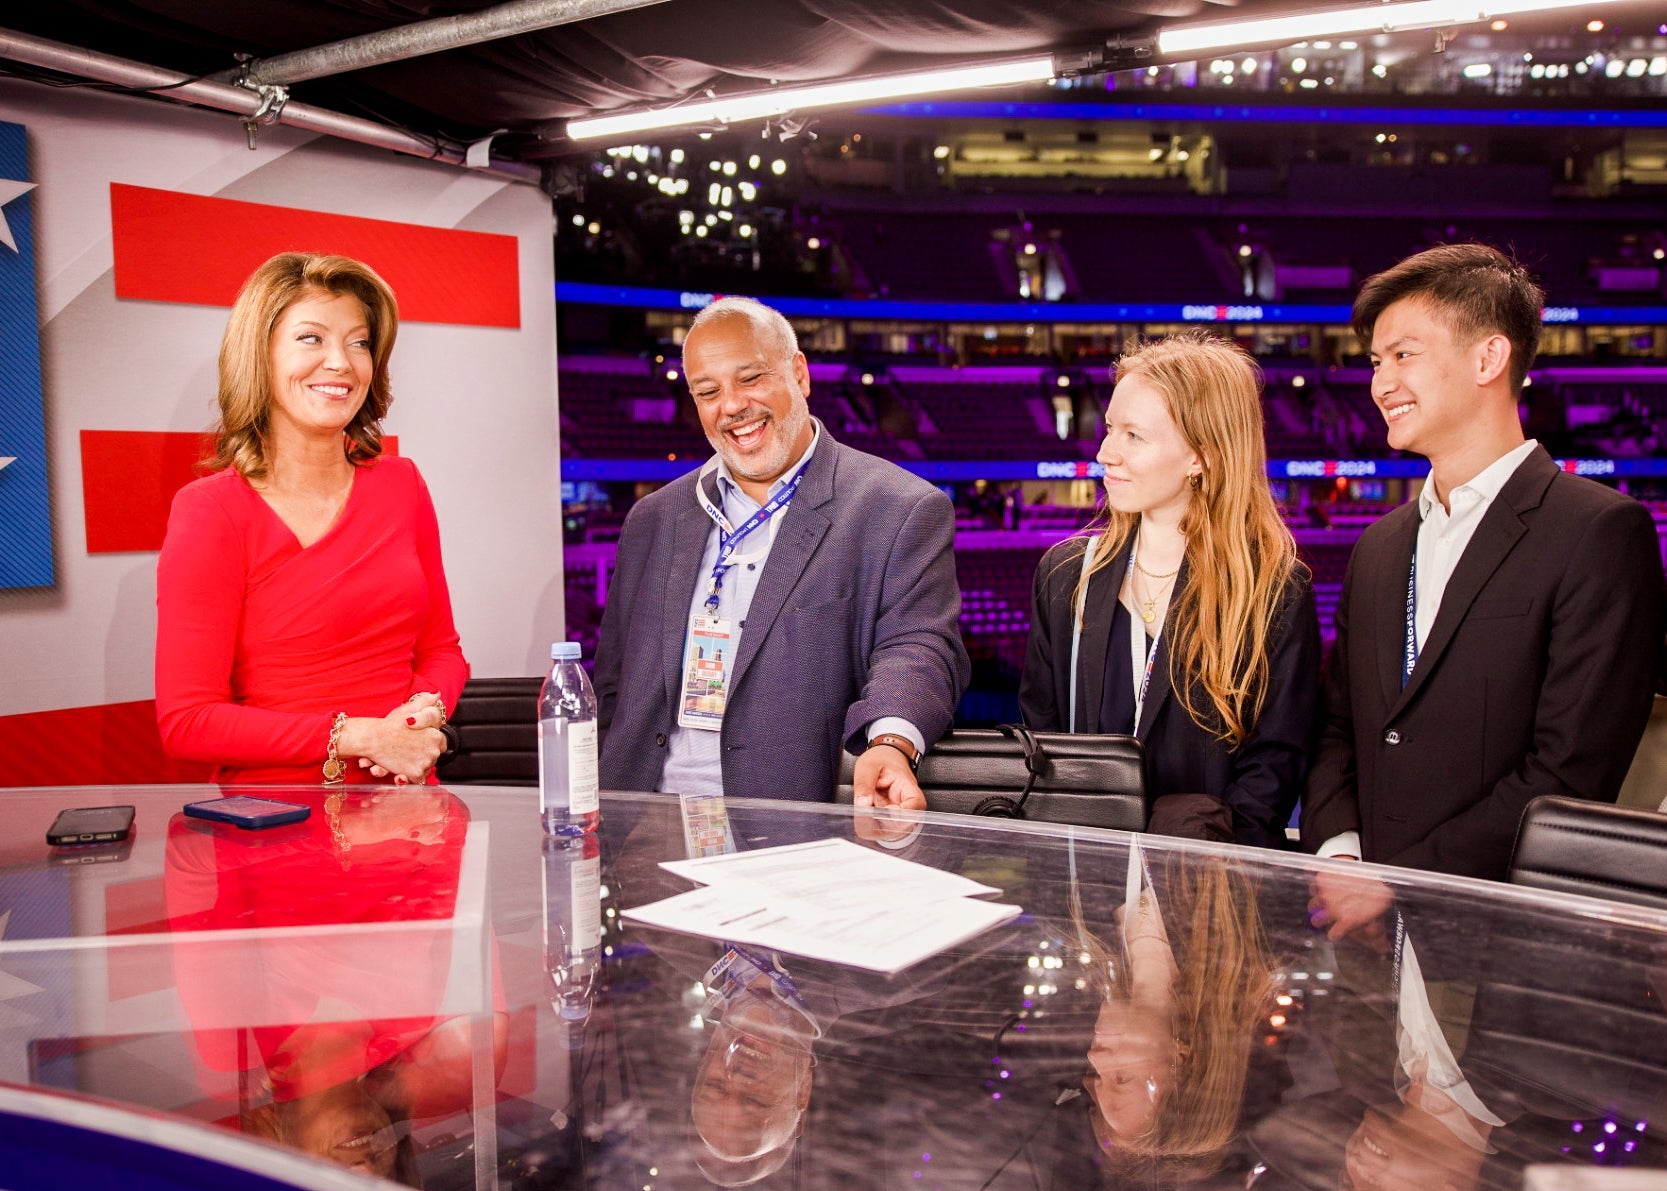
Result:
[[334, 769], [1150, 612]]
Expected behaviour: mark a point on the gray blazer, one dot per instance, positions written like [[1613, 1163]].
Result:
[[856, 616], [1536, 677]]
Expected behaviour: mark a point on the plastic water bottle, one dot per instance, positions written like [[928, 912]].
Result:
[[567, 764], [572, 925]]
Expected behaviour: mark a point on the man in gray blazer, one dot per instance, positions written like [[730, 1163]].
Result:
[[1497, 638], [790, 599]]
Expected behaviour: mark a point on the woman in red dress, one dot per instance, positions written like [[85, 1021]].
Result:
[[304, 629]]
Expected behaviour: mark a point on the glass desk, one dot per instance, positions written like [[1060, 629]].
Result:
[[413, 984]]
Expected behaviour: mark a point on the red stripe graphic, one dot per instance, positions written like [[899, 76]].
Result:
[[128, 481], [173, 247], [112, 744]]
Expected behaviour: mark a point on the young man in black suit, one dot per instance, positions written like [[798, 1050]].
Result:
[[1497, 638]]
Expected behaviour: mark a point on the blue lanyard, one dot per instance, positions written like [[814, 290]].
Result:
[[729, 538], [1409, 657], [740, 968]]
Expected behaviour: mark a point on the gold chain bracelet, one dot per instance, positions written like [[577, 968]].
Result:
[[335, 769]]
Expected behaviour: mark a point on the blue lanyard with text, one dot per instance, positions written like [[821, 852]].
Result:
[[741, 966], [1409, 657], [1134, 647], [729, 538]]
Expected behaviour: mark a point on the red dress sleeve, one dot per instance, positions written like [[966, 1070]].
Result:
[[438, 663], [200, 579]]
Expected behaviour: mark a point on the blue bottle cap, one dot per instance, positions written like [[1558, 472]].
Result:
[[565, 651]]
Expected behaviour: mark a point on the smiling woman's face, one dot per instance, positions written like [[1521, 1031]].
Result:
[[343, 1124], [1147, 460], [1134, 1060]]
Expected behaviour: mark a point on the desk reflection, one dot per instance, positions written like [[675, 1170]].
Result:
[[336, 1038], [1161, 1015], [1452, 1064]]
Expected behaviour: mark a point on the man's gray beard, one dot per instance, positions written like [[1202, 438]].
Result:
[[792, 428]]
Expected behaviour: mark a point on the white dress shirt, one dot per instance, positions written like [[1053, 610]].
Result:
[[1443, 534]]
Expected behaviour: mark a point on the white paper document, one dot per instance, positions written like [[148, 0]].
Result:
[[833, 900]]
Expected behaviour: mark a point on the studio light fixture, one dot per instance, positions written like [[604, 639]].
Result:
[[765, 104], [1337, 22]]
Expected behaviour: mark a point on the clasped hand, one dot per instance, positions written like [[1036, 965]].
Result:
[[406, 742]]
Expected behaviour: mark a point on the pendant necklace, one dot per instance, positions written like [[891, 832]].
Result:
[[1149, 609]]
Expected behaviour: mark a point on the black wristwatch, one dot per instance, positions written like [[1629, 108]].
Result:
[[452, 744]]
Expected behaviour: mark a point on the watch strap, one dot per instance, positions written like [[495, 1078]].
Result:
[[902, 744]]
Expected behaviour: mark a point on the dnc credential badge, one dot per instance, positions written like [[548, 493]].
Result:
[[709, 657], [25, 524]]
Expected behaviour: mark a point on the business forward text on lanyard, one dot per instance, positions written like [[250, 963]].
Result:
[[1409, 657], [730, 538]]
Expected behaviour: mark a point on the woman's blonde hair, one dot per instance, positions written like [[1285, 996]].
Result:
[[1239, 552], [241, 438], [1224, 987]]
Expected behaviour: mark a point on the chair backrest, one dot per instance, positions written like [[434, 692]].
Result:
[[1646, 780], [1091, 781], [497, 733], [1575, 846]]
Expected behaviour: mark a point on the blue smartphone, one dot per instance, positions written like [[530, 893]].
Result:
[[252, 814]]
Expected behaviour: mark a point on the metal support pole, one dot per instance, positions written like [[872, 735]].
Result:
[[428, 37], [251, 105]]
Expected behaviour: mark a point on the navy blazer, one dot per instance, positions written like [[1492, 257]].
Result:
[[1262, 778], [856, 616], [1536, 677]]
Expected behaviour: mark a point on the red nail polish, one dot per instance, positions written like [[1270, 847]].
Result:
[[410, 721]]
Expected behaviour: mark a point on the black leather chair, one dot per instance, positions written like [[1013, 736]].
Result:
[[1090, 781], [497, 733], [1574, 846]]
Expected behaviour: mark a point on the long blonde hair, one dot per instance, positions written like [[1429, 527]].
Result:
[[245, 360], [1224, 987], [1239, 552]]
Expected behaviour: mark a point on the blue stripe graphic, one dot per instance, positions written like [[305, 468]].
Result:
[[25, 517]]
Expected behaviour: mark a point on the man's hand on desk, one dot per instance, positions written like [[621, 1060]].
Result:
[[1351, 906], [882, 777], [889, 826]]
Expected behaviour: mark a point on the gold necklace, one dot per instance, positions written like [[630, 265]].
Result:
[[1149, 609], [1149, 575]]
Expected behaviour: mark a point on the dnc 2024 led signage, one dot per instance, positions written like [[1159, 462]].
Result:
[[580, 293]]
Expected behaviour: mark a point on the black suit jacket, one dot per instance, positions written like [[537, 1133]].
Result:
[[1535, 679], [1262, 778], [856, 616]]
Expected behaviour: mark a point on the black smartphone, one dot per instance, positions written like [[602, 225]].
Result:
[[90, 825], [91, 853], [240, 810]]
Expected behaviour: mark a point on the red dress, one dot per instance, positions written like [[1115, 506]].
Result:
[[259, 642]]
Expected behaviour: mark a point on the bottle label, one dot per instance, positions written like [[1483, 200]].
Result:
[[582, 768], [587, 903]]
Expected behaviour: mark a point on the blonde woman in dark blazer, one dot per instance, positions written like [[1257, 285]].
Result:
[[1183, 616]]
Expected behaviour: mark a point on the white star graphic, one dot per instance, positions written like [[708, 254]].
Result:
[[5, 459], [10, 189]]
